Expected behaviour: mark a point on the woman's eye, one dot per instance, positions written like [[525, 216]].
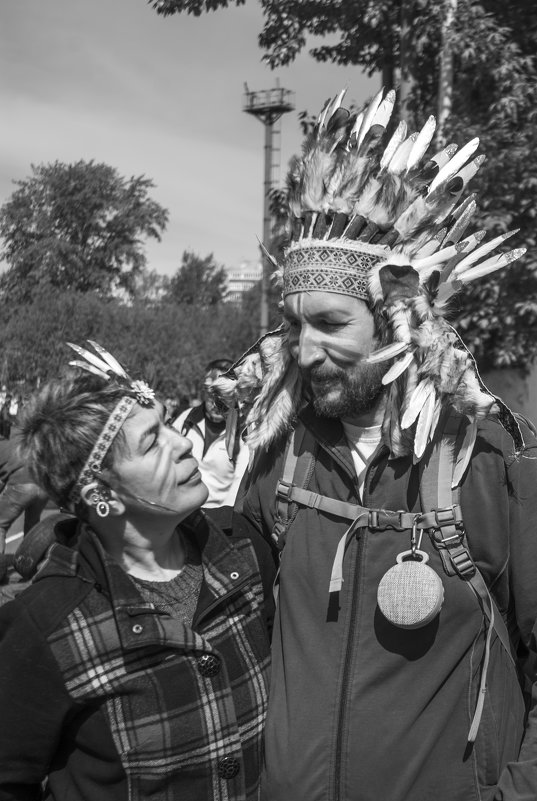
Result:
[[152, 444]]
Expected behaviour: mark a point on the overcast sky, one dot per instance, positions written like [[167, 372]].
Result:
[[112, 81]]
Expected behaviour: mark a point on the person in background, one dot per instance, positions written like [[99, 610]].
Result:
[[6, 420], [136, 664], [205, 426], [19, 494]]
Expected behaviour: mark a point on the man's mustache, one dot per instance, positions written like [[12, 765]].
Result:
[[319, 376]]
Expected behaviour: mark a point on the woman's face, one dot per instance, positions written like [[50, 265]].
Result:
[[157, 466]]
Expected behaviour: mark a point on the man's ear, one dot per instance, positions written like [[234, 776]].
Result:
[[102, 499]]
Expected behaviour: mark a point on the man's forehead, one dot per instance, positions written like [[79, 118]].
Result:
[[314, 303]]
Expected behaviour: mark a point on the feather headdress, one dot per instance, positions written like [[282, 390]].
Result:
[[372, 217]]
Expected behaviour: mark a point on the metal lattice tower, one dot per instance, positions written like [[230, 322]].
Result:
[[268, 106]]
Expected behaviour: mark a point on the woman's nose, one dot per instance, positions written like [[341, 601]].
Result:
[[180, 445]]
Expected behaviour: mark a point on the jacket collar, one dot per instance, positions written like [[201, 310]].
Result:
[[331, 437], [225, 569]]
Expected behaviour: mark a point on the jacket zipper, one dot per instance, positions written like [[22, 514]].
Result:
[[351, 643]]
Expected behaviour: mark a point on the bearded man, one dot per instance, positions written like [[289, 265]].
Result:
[[398, 490]]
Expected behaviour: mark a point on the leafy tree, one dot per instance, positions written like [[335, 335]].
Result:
[[169, 345], [76, 227], [198, 281]]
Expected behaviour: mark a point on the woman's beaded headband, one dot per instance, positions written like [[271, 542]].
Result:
[[107, 367]]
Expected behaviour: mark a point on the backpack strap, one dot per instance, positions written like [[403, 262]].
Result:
[[298, 464], [440, 491]]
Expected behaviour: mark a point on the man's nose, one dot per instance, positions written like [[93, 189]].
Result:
[[309, 352]]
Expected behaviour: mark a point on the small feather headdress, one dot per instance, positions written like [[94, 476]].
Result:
[[371, 216], [106, 366]]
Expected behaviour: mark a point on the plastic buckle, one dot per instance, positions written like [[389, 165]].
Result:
[[463, 564], [284, 490]]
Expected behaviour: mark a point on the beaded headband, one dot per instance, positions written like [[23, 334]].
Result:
[[107, 367]]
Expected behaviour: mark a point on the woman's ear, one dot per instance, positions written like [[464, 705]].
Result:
[[102, 499]]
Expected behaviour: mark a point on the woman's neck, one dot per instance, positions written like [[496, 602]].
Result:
[[155, 556]]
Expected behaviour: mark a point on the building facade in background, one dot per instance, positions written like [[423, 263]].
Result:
[[241, 279]]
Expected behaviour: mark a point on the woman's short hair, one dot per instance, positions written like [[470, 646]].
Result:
[[61, 423]]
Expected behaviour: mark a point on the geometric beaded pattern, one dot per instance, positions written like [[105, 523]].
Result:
[[325, 267], [102, 446]]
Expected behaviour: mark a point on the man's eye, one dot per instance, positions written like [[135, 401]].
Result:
[[330, 324]]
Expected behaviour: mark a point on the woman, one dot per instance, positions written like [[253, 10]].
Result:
[[136, 664]]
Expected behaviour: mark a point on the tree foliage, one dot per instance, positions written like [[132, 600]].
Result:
[[77, 227], [198, 281], [166, 343]]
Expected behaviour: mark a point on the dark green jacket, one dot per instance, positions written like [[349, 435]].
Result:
[[361, 710]]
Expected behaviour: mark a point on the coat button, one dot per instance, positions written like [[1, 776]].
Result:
[[137, 628], [228, 767], [209, 665]]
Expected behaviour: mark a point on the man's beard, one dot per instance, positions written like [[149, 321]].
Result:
[[359, 390]]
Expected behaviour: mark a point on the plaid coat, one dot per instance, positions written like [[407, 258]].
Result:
[[113, 700]]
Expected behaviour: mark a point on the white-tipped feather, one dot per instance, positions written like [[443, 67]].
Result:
[[384, 111], [89, 368], [454, 164], [386, 353], [490, 265], [468, 172], [109, 359], [357, 125], [423, 428], [438, 258], [398, 137], [432, 245], [368, 116], [422, 143], [100, 364], [465, 453], [445, 155], [473, 257], [398, 368], [399, 159], [416, 402]]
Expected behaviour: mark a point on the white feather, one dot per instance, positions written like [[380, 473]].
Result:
[[422, 143], [399, 160], [90, 369], [398, 137], [398, 368], [109, 359], [465, 453], [90, 357], [454, 164], [423, 427], [388, 352], [439, 257], [468, 172], [417, 400], [482, 251], [490, 265], [384, 111], [368, 116]]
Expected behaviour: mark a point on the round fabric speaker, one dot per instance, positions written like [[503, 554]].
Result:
[[410, 594]]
